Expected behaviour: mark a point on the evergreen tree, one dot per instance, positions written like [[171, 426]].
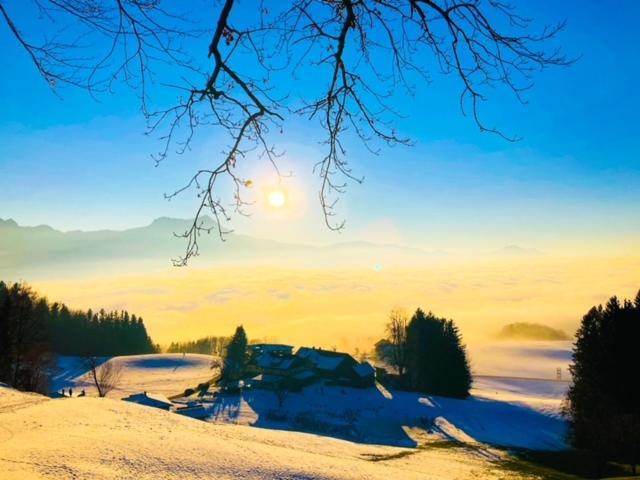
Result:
[[205, 345], [604, 400], [436, 358], [5, 338], [31, 329], [25, 338], [235, 356]]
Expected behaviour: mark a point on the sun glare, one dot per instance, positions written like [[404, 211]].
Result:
[[276, 198]]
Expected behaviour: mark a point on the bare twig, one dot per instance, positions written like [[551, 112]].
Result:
[[357, 55]]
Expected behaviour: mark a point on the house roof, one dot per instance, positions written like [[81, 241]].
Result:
[[324, 359], [266, 379], [149, 399], [268, 359], [271, 347], [195, 411], [304, 375], [364, 369]]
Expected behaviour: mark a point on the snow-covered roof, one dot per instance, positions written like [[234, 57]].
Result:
[[271, 347], [265, 378], [150, 399], [323, 359], [364, 369], [304, 375], [270, 360], [327, 363], [196, 411]]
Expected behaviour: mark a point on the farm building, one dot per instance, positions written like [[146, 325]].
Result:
[[338, 367], [150, 400], [273, 366], [274, 361]]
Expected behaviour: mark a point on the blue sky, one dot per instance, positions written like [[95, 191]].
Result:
[[80, 163]]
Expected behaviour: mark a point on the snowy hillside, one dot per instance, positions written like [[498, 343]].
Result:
[[103, 438], [167, 374], [545, 396], [403, 418], [503, 411]]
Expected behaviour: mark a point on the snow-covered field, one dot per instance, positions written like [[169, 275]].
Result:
[[321, 432], [92, 438], [168, 374], [504, 411], [490, 416]]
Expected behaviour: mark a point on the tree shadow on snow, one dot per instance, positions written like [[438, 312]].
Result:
[[372, 417], [333, 411], [226, 406], [487, 421]]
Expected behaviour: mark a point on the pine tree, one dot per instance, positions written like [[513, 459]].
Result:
[[5, 338], [236, 356], [604, 400], [25, 338], [436, 358]]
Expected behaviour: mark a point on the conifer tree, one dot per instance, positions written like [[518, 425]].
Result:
[[436, 358], [603, 404], [236, 356]]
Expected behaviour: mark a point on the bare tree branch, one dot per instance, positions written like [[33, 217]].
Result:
[[355, 57], [106, 376]]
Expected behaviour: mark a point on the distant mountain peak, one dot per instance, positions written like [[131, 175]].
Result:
[[9, 222]]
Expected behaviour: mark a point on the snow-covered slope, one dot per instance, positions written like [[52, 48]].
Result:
[[402, 418], [502, 411], [91, 438], [545, 396], [167, 374]]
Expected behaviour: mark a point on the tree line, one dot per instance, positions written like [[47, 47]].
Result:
[[32, 330], [206, 345]]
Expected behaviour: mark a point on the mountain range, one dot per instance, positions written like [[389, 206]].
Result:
[[24, 247], [42, 245]]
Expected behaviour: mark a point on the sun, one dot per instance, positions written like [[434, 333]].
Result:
[[276, 198]]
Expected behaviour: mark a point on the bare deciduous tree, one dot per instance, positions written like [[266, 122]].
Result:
[[106, 376], [356, 56], [397, 331]]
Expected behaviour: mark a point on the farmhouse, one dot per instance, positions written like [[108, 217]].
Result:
[[274, 360], [272, 366], [338, 367]]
